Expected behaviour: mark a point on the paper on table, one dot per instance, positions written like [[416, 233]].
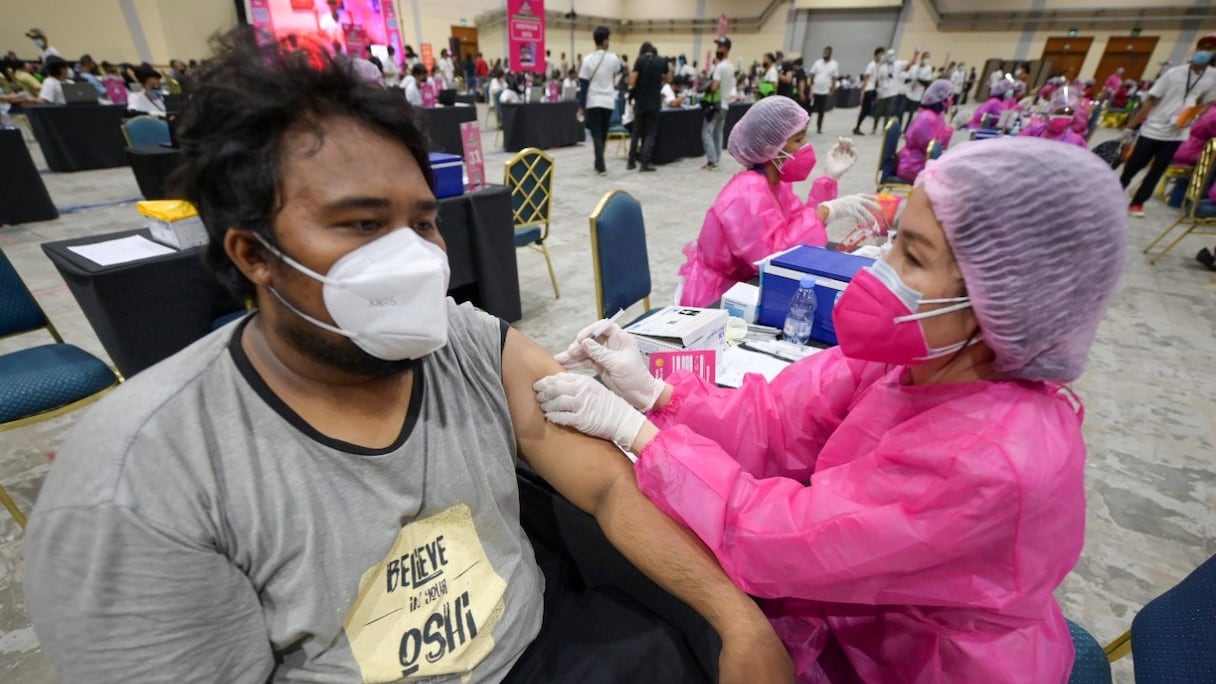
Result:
[[736, 362], [122, 250]]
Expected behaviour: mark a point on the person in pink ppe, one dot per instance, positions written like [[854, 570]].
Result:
[[903, 505], [757, 213], [1112, 84], [1203, 130], [987, 114], [930, 124], [1058, 125]]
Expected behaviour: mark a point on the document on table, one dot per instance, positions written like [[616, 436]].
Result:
[[122, 250], [736, 362]]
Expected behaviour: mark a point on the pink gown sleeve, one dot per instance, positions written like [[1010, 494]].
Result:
[[752, 423], [895, 526], [754, 225]]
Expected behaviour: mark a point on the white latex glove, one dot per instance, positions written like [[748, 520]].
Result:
[[841, 158], [857, 209], [579, 402], [617, 361]]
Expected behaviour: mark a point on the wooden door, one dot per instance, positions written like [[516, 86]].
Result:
[[467, 36], [1130, 53], [1066, 55]]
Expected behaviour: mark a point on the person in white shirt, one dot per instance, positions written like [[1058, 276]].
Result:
[[918, 77], [958, 76], [1181, 89], [148, 100], [823, 73], [52, 85], [39, 38], [994, 78], [675, 93], [390, 69], [446, 67], [685, 69], [718, 95], [413, 85], [890, 85], [869, 88], [769, 77], [597, 98]]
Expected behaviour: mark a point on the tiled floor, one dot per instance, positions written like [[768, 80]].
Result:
[[1151, 405]]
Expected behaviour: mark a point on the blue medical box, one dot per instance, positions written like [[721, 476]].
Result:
[[449, 174], [779, 277]]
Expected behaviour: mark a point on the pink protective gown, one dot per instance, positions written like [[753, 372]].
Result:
[[1203, 130], [927, 126], [747, 222], [993, 108], [1038, 129], [936, 524]]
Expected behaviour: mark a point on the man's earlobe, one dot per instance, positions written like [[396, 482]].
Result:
[[248, 254]]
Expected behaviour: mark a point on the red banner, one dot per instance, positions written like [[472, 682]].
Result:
[[474, 163], [526, 34]]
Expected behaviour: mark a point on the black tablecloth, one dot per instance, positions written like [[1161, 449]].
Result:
[[147, 310], [679, 135], [848, 97], [467, 98], [23, 197], [152, 167], [79, 137], [541, 124], [733, 115], [443, 127]]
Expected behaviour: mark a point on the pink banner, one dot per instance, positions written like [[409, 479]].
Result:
[[723, 24], [474, 163], [428, 95], [526, 34], [392, 34], [259, 16]]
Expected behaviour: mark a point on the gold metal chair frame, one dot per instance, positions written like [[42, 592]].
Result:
[[1194, 193], [890, 188], [1172, 173], [47, 415], [530, 212], [595, 255]]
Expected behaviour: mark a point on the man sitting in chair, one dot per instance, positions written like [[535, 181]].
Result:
[[326, 489]]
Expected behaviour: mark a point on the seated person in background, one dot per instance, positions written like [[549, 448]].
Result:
[[51, 91], [149, 100], [1203, 130], [513, 92], [25, 78], [989, 113], [929, 124], [571, 79], [1123, 96], [413, 84], [757, 212], [88, 71], [1063, 111], [326, 489], [674, 94]]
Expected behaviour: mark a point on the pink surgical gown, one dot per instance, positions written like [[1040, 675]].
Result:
[[927, 126], [992, 108], [894, 533], [1039, 130], [748, 221], [1203, 130]]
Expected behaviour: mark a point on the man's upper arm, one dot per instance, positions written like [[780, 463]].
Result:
[[581, 468], [114, 598]]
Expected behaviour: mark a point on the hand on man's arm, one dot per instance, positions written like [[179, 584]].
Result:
[[595, 476]]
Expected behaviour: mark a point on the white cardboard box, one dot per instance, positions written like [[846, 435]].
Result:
[[742, 301], [183, 233], [681, 327]]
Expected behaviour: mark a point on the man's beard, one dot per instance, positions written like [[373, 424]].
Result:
[[342, 354]]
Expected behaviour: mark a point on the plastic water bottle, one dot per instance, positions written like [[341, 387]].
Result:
[[802, 312]]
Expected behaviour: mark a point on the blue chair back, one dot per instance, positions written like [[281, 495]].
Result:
[[890, 144], [1091, 665], [618, 112], [146, 131], [934, 149], [19, 312], [1095, 115], [1174, 636], [618, 252]]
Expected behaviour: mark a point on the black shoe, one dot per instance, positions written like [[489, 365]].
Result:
[[631, 166], [1205, 257], [857, 131], [648, 168]]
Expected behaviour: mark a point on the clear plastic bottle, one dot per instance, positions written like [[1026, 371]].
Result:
[[802, 312]]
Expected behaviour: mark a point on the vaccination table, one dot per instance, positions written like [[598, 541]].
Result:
[[23, 196], [153, 165], [79, 137], [443, 127], [679, 133], [144, 311], [541, 124]]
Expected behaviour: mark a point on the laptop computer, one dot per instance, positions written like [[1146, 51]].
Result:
[[570, 93], [538, 94], [79, 93]]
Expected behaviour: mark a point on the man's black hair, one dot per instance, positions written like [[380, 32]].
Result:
[[600, 34], [56, 67], [242, 104], [879, 49]]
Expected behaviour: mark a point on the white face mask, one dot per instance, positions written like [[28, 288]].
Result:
[[388, 296]]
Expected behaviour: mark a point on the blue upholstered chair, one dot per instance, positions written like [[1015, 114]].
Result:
[[529, 175], [1199, 213], [44, 381], [618, 253], [145, 131], [1091, 665], [885, 177], [1173, 638]]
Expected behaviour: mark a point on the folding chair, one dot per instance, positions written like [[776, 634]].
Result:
[[529, 175], [890, 145], [1198, 211], [618, 254], [145, 131]]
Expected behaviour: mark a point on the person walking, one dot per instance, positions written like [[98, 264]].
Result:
[[597, 92], [824, 73], [869, 89], [715, 102], [646, 82]]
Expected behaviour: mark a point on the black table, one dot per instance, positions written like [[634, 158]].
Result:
[[733, 115], [467, 98], [541, 124], [145, 311], [848, 97], [23, 196], [153, 166], [679, 135], [443, 128], [79, 137]]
